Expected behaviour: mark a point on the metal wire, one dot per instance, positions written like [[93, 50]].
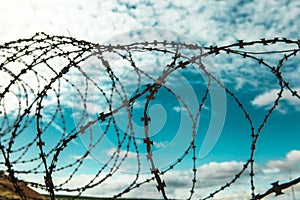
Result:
[[26, 56]]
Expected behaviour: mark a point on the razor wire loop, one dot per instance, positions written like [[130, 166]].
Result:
[[43, 48]]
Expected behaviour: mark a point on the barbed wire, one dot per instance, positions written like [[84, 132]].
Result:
[[32, 102]]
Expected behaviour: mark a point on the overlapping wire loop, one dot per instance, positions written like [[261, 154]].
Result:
[[39, 70]]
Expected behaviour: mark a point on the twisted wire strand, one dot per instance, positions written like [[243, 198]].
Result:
[[27, 56]]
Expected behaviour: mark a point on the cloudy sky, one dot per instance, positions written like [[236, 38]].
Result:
[[205, 23]]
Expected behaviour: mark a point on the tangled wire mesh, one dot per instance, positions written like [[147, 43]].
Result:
[[39, 70]]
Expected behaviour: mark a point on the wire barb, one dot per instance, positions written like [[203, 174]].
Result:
[[35, 99]]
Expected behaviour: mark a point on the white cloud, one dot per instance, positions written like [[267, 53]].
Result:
[[208, 22], [99, 21], [242, 81], [214, 170], [177, 109], [161, 144], [290, 163], [267, 99], [121, 153], [210, 177], [77, 157], [183, 109]]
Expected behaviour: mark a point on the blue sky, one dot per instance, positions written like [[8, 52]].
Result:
[[205, 23]]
